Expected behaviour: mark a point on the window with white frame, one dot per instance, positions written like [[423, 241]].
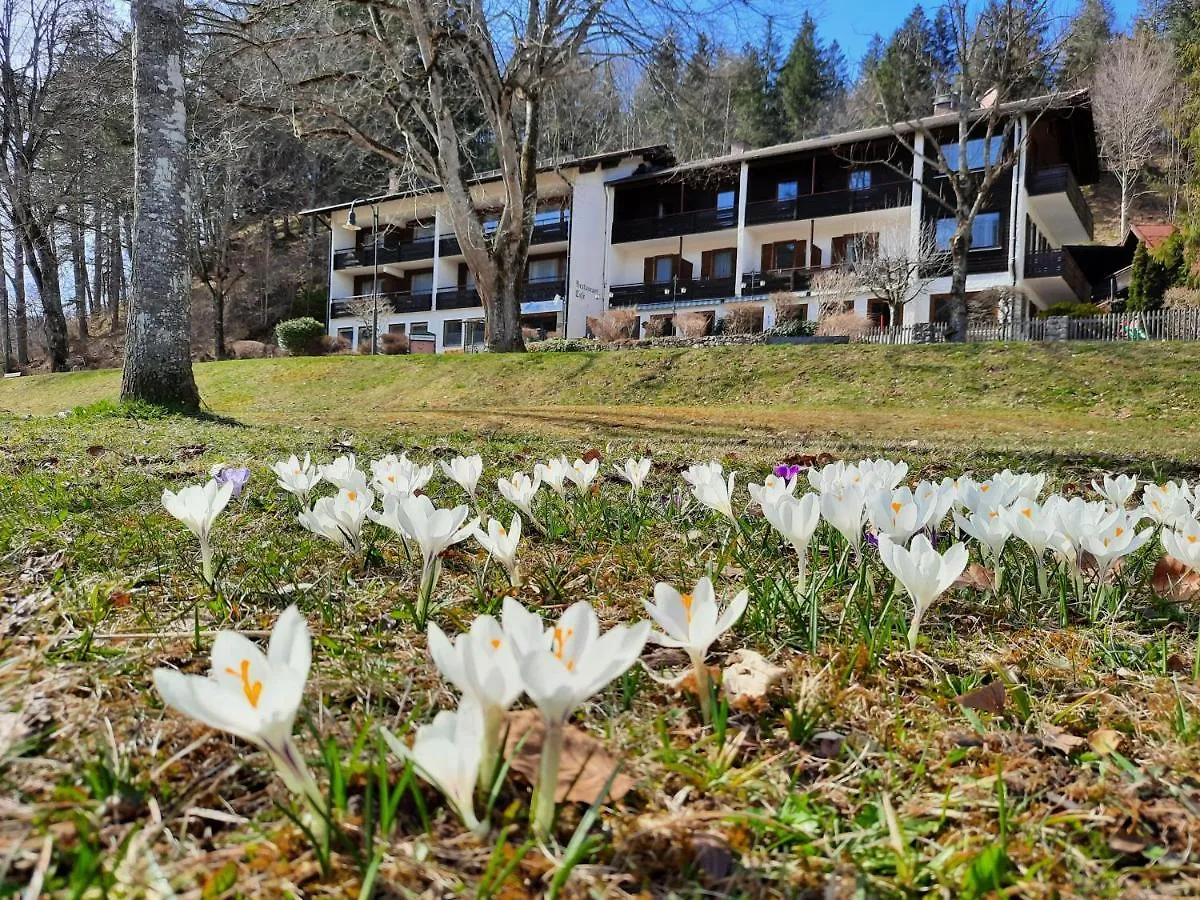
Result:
[[452, 333]]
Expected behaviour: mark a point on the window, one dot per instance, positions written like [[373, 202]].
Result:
[[422, 231], [347, 335], [550, 216], [879, 312], [979, 152], [860, 179], [421, 283], [420, 328], [726, 200], [545, 269], [396, 328], [787, 190], [473, 333], [664, 268], [985, 232], [784, 256], [722, 263], [452, 333]]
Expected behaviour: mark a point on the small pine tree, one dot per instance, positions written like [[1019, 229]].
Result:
[[1137, 277]]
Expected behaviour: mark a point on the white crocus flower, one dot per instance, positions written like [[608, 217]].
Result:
[[635, 471], [525, 629], [898, 514], [1184, 543], [554, 473], [482, 666], [711, 489], [990, 528], [693, 622], [561, 674], [520, 491], [797, 520], [398, 476], [435, 530], [881, 474], [1167, 504], [923, 572], [501, 543], [845, 510], [772, 487], [447, 754], [1117, 491], [254, 696], [197, 507], [982, 496], [465, 471], [340, 518], [1037, 526], [298, 478], [1116, 540], [939, 498], [344, 474], [582, 474]]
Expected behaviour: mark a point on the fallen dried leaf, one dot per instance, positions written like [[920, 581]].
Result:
[[1104, 741], [712, 854], [1054, 738], [827, 744], [989, 698], [1174, 580], [977, 577], [585, 767], [1126, 842], [748, 679], [593, 454]]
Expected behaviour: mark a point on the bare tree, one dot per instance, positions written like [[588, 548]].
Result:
[[1000, 57], [1131, 89], [837, 288], [365, 310], [441, 91], [898, 267], [158, 362]]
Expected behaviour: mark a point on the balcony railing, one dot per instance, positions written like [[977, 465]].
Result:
[[1058, 264], [685, 291], [772, 280], [394, 301], [544, 289], [1060, 180], [458, 298], [422, 248], [830, 203], [692, 222], [468, 297]]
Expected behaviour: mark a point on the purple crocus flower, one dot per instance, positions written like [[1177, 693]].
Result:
[[786, 472], [873, 539], [235, 477]]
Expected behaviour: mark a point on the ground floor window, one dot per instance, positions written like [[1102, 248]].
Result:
[[347, 335], [420, 328], [452, 334], [879, 313], [473, 333], [396, 328]]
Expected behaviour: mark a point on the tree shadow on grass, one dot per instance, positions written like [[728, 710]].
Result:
[[137, 410]]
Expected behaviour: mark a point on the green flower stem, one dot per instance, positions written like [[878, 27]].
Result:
[[543, 799]]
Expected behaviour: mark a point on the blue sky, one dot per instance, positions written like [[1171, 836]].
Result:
[[852, 22]]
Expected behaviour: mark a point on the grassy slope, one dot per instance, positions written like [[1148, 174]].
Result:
[[1116, 398]]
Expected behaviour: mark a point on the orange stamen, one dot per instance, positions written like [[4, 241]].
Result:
[[686, 600], [495, 643], [252, 690]]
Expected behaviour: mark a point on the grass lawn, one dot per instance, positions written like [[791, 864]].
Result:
[[860, 774]]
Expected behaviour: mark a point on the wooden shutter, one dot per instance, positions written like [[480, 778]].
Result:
[[684, 268], [816, 257], [837, 249], [870, 241], [801, 257], [462, 275], [706, 264], [768, 257], [648, 271]]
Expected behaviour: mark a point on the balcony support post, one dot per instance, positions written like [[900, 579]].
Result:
[[739, 257]]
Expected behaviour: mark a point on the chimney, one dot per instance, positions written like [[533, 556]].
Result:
[[945, 103]]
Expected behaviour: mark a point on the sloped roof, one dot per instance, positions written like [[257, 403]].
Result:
[[1152, 234]]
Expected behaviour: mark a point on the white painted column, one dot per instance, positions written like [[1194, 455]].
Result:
[[1019, 204], [437, 266], [739, 263], [914, 312], [329, 284]]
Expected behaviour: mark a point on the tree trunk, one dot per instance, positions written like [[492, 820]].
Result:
[[502, 305], [98, 251], [42, 259], [960, 247], [158, 361], [218, 303], [79, 270], [20, 309], [6, 352], [116, 269], [1126, 183]]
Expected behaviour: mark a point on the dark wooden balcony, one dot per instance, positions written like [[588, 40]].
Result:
[[1058, 264], [543, 290], [409, 251], [1061, 180], [693, 222], [685, 291], [756, 284], [396, 301], [458, 298], [830, 203]]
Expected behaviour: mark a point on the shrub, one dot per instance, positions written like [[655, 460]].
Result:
[[393, 342], [693, 324], [301, 337], [844, 324], [789, 310], [792, 328], [657, 326], [614, 325], [743, 320], [1155, 271], [563, 345], [331, 344], [1181, 298], [1074, 310]]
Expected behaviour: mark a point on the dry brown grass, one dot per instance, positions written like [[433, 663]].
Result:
[[614, 325]]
